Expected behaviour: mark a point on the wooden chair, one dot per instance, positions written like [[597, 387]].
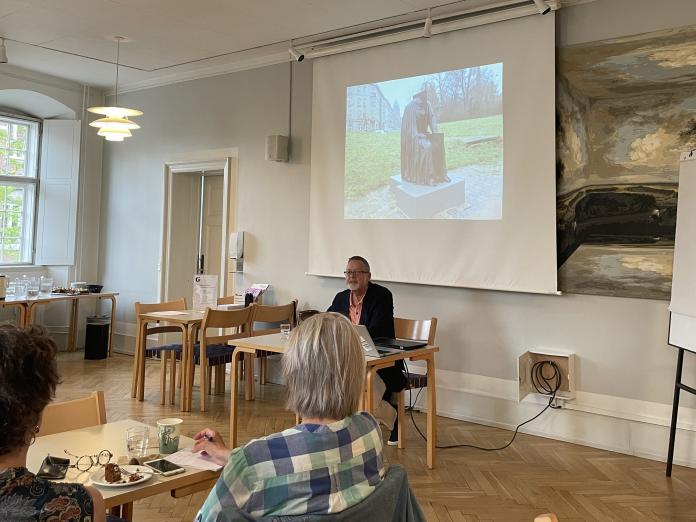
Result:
[[275, 315], [72, 415], [303, 315], [141, 350], [413, 330], [212, 351]]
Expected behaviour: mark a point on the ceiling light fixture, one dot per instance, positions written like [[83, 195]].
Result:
[[3, 51], [115, 126], [542, 6], [428, 27], [297, 55]]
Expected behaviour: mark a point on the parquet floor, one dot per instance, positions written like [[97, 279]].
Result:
[[533, 476]]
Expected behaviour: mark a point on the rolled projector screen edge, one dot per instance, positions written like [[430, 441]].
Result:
[[444, 285]]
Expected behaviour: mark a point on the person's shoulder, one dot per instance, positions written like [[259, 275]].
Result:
[[379, 289]]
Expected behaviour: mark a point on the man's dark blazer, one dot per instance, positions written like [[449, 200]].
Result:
[[378, 316], [377, 309]]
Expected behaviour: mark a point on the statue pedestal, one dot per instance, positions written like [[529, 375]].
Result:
[[424, 201]]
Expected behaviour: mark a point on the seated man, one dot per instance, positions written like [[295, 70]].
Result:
[[370, 304]]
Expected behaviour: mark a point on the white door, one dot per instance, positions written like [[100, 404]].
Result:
[[210, 246]]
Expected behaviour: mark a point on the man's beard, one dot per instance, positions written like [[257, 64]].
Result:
[[353, 286]]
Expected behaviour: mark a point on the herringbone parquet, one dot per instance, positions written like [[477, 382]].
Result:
[[533, 476]]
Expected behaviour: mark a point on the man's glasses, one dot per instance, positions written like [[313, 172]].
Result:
[[87, 462], [348, 273]]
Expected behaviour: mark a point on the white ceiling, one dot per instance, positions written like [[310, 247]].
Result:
[[165, 33]]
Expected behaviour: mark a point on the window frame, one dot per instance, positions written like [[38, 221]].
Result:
[[32, 184]]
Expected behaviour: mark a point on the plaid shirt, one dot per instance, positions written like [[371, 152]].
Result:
[[308, 469]]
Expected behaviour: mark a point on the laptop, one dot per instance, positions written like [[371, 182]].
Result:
[[368, 346], [399, 344]]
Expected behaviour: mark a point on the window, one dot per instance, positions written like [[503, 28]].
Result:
[[19, 142]]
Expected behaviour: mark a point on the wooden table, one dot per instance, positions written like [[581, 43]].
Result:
[[248, 346], [27, 310], [111, 436], [189, 321]]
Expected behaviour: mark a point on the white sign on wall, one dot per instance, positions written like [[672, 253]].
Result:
[[205, 291]]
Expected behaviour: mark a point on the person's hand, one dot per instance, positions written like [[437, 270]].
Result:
[[209, 442]]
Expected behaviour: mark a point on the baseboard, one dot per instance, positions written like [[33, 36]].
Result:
[[628, 426]]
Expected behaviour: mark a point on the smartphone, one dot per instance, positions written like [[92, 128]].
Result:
[[165, 467]]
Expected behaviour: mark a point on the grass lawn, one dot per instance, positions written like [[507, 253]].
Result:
[[373, 157]]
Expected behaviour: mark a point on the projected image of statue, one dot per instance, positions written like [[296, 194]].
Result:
[[422, 152], [426, 147]]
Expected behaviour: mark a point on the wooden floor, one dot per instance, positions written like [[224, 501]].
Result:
[[533, 476]]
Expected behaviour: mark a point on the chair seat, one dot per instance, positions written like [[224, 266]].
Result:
[[155, 351], [417, 380], [217, 353]]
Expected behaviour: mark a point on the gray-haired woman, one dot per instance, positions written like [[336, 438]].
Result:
[[331, 461]]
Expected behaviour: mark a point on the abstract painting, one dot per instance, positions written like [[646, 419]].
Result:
[[626, 108]]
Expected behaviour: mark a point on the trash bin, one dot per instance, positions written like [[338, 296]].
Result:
[[97, 337]]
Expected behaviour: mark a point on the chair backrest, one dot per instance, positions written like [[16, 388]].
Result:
[[272, 314], [146, 308], [303, 315], [416, 329], [166, 306], [240, 320], [227, 300], [71, 415]]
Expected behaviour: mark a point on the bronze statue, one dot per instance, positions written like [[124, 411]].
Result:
[[422, 152]]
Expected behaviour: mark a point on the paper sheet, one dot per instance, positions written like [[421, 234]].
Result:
[[187, 459]]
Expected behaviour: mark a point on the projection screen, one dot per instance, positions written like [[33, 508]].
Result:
[[435, 159]]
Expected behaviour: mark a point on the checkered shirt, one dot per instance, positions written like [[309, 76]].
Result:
[[308, 469]]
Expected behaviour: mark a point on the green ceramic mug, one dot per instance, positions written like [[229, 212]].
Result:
[[168, 431]]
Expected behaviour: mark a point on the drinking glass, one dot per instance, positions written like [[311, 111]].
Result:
[[33, 286], [285, 330], [137, 441], [21, 284], [46, 285]]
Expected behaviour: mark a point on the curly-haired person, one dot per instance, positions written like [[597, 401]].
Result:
[[28, 379]]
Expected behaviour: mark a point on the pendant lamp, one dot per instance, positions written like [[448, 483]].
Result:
[[115, 126]]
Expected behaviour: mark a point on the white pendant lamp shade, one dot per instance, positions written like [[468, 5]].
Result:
[[115, 126]]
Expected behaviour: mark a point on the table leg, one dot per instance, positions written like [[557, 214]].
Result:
[[136, 357], [249, 376], [187, 368], [113, 319], [233, 398], [432, 413], [141, 362], [369, 391], [72, 337]]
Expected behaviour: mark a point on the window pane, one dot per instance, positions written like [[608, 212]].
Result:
[[12, 232], [4, 133]]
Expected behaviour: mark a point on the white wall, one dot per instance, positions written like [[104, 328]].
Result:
[[626, 370], [75, 97]]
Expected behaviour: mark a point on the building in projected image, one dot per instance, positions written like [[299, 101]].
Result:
[[369, 110]]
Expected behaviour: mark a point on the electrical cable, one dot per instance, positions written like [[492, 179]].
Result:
[[542, 384]]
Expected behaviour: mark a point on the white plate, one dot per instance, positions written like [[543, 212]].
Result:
[[98, 477]]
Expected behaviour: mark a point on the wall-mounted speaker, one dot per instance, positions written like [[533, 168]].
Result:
[[277, 148]]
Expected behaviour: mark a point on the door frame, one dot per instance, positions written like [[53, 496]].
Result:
[[228, 166]]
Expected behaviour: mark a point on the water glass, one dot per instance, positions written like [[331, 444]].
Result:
[[33, 286], [285, 330], [20, 284], [46, 285], [137, 442]]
